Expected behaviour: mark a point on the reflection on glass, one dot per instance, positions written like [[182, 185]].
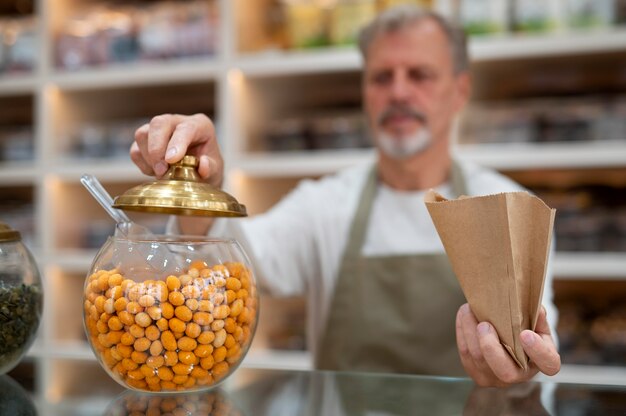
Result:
[[347, 394], [209, 403], [14, 400], [338, 394], [521, 399]]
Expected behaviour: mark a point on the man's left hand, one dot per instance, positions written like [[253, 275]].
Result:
[[487, 362]]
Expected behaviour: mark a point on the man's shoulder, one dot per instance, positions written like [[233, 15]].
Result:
[[482, 180]]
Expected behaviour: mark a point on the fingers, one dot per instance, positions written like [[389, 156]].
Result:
[[137, 158], [498, 359], [540, 347], [482, 374], [161, 129], [194, 131], [169, 137]]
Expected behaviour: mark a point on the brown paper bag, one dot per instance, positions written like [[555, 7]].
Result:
[[498, 246]]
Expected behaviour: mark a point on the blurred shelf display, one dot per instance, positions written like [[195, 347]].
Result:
[[284, 93], [19, 34], [102, 34], [592, 322]]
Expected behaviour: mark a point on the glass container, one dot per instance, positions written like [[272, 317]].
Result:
[[170, 313], [21, 298]]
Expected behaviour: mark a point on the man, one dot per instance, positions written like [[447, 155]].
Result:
[[381, 292]]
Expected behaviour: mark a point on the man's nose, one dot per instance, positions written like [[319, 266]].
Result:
[[400, 88]]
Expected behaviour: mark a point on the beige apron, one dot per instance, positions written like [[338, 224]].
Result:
[[392, 313]]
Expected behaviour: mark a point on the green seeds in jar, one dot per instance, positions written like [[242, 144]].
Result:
[[20, 312]]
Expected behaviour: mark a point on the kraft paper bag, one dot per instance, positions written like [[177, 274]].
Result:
[[498, 246]]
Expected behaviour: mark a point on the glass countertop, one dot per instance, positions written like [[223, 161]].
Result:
[[85, 390]]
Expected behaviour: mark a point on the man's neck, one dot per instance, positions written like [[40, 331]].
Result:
[[426, 170]]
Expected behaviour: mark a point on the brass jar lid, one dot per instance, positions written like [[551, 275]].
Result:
[[8, 234], [181, 192]]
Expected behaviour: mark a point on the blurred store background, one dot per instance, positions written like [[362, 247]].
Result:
[[281, 79]]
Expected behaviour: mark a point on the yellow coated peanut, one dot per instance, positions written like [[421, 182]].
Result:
[[183, 313], [187, 344], [233, 283], [147, 301], [169, 341], [143, 320], [176, 325], [142, 344], [156, 348], [172, 282], [206, 337], [193, 330], [221, 312], [176, 298]]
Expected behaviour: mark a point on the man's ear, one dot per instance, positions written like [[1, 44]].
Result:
[[463, 90]]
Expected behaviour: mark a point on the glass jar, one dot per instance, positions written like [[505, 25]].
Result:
[[168, 314], [21, 298], [14, 400]]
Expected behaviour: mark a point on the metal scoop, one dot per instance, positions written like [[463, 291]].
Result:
[[124, 225], [157, 255]]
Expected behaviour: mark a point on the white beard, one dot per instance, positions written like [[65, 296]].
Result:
[[405, 147]]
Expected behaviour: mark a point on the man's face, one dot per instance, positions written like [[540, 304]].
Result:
[[410, 90]]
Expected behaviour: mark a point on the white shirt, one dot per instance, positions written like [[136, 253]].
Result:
[[297, 246]]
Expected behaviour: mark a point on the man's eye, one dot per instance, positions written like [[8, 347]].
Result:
[[381, 78], [421, 76]]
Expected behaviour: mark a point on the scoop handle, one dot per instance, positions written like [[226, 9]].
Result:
[[102, 196]]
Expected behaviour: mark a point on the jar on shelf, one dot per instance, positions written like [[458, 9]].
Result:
[[171, 313], [479, 17], [21, 298], [590, 13], [306, 24], [534, 16], [347, 18]]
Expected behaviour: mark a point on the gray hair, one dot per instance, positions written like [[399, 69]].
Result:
[[402, 16]]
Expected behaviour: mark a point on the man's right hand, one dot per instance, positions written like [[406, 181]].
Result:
[[169, 137]]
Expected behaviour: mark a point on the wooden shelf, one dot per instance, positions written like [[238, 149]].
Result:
[[517, 156], [18, 173], [576, 266], [481, 49], [562, 43], [148, 73], [113, 170], [299, 62], [19, 84]]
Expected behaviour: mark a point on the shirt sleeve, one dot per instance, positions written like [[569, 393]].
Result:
[[281, 243]]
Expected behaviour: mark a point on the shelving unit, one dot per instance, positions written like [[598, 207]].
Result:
[[241, 90]]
